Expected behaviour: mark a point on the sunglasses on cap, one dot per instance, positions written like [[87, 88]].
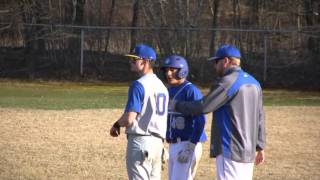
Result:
[[135, 59]]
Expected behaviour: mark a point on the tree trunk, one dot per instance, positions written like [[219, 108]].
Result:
[[74, 49], [34, 42], [135, 16], [214, 6], [311, 10], [237, 21], [109, 23]]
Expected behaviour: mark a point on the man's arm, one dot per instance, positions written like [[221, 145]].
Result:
[[192, 94], [135, 96], [215, 99], [261, 126], [125, 120], [199, 123]]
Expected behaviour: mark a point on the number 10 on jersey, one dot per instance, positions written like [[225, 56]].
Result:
[[161, 100]]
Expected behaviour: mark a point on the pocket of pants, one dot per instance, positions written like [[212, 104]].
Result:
[[145, 155]]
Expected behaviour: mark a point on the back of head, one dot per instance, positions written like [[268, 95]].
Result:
[[143, 51], [179, 62]]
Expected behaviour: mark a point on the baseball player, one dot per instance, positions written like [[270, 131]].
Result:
[[145, 117], [238, 129], [184, 133]]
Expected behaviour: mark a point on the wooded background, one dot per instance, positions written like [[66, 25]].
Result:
[[86, 39]]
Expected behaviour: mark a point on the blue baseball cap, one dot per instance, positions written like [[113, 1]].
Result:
[[226, 50], [143, 51]]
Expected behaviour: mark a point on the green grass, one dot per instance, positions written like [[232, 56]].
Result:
[[66, 95], [291, 98], [62, 95]]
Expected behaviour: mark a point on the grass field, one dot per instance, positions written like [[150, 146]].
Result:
[[70, 141], [59, 95], [54, 95]]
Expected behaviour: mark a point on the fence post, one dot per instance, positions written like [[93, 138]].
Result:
[[81, 53], [265, 58]]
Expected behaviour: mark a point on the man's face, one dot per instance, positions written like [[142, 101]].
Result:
[[219, 66], [136, 65], [171, 77]]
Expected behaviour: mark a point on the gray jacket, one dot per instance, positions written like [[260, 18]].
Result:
[[238, 127]]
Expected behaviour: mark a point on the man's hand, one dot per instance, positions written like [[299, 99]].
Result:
[[259, 157], [115, 129], [187, 153]]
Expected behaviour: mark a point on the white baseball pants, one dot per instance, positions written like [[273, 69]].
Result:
[[177, 170], [232, 170]]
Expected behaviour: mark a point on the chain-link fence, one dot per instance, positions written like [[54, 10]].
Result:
[[286, 58]]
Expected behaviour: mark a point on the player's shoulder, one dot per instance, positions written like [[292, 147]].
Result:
[[192, 87], [136, 85], [192, 92], [149, 78], [153, 83]]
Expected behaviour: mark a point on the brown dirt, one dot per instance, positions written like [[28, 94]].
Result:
[[42, 144]]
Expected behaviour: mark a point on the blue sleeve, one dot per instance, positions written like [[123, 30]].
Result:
[[193, 93], [135, 97]]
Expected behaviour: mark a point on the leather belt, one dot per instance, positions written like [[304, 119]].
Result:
[[176, 140], [157, 135], [151, 134]]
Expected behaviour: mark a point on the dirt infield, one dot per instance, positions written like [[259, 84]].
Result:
[[45, 144]]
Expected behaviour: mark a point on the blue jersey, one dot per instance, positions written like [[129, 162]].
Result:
[[185, 127]]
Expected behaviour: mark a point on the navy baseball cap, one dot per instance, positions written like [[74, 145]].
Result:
[[143, 51], [226, 51]]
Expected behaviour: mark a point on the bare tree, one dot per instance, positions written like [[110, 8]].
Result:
[[214, 7], [109, 22], [175, 15], [155, 15], [312, 18], [135, 20], [236, 20]]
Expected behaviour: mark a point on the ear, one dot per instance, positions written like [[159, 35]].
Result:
[[146, 64], [226, 61], [142, 62]]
